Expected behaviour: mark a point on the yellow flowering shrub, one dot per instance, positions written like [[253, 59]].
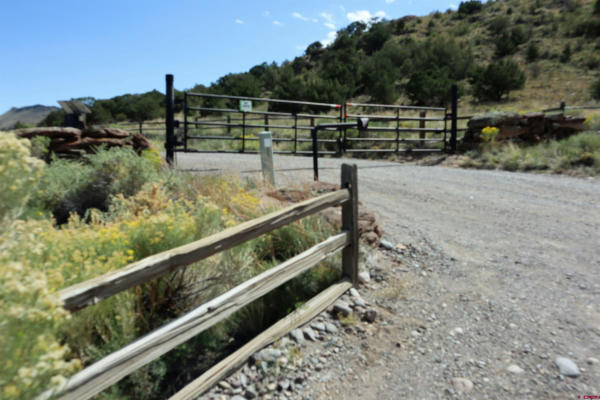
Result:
[[41, 345], [489, 133]]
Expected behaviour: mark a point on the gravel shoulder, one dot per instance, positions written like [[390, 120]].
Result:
[[494, 270]]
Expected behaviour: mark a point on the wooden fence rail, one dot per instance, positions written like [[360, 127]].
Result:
[[112, 368]]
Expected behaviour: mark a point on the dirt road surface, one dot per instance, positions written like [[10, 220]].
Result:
[[502, 277]]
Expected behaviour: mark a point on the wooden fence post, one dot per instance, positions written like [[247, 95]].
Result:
[[350, 223]]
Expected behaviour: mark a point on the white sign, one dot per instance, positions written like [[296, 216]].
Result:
[[268, 142], [245, 105]]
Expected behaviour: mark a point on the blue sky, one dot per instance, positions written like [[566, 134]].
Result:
[[54, 49]]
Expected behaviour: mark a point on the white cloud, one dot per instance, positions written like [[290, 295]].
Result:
[[314, 20], [277, 23], [389, 1], [329, 22], [266, 13], [453, 6], [330, 38], [364, 15], [300, 47], [239, 21], [300, 16]]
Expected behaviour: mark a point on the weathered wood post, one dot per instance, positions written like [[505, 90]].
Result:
[[350, 223], [453, 126], [170, 124]]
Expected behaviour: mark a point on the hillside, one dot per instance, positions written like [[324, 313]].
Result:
[[521, 55], [31, 115]]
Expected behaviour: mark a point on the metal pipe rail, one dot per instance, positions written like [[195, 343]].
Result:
[[393, 118], [304, 103], [393, 106]]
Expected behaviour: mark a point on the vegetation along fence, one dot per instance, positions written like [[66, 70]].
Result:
[[221, 123], [109, 370]]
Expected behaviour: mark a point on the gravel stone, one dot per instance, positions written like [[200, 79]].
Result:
[[250, 392], [369, 316], [331, 328], [462, 385], [268, 355], [341, 308], [515, 369], [386, 245], [359, 302], [297, 335], [318, 326], [364, 276], [567, 367], [309, 334]]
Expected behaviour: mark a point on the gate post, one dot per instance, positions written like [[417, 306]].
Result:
[[315, 152], [453, 126], [169, 122], [185, 123], [350, 223], [422, 115]]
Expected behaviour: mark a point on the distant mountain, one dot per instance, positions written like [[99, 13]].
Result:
[[26, 115]]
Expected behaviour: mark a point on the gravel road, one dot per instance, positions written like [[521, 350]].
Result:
[[501, 279]]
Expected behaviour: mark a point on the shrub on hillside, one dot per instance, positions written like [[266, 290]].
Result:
[[519, 35], [596, 90], [566, 54], [55, 118], [469, 7], [497, 80], [498, 24], [532, 53], [429, 87], [505, 45], [589, 28]]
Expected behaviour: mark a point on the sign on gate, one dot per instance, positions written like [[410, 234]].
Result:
[[245, 105]]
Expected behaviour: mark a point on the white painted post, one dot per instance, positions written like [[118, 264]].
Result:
[[265, 140]]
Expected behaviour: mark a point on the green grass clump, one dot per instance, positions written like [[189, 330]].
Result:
[[576, 155]]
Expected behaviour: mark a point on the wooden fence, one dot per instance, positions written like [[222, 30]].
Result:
[[112, 368]]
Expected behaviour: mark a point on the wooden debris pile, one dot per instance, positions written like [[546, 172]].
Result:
[[74, 142], [531, 128]]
